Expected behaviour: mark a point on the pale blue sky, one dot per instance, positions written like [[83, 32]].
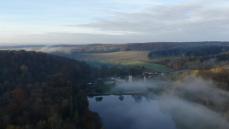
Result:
[[112, 21]]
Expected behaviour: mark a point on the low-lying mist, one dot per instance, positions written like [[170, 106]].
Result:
[[193, 103], [45, 49], [55, 49]]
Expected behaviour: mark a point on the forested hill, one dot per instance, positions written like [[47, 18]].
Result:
[[41, 91], [208, 50], [29, 67]]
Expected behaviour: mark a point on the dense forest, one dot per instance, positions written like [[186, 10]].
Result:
[[41, 91], [191, 51], [219, 74], [192, 57]]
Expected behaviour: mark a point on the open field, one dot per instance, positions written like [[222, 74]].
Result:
[[126, 58], [123, 56]]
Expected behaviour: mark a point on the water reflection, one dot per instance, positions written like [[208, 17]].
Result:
[[192, 103], [161, 112], [121, 98], [130, 112], [98, 99]]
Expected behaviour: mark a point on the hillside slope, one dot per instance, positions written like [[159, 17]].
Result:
[[40, 91]]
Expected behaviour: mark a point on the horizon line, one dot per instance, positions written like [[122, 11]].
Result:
[[70, 44]]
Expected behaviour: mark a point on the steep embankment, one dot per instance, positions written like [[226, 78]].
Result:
[[42, 91]]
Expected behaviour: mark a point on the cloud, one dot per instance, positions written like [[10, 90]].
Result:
[[69, 38], [187, 21], [119, 21]]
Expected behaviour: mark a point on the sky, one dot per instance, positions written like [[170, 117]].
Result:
[[112, 21]]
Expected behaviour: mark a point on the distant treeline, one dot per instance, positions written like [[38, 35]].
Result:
[[191, 51]]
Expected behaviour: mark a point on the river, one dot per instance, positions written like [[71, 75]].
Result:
[[130, 112], [164, 105]]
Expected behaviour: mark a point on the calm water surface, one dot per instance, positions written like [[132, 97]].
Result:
[[130, 112]]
